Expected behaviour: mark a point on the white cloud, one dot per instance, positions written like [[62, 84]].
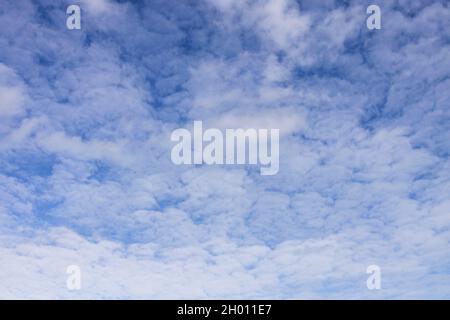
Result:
[[12, 93]]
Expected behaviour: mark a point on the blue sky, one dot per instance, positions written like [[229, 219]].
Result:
[[86, 177]]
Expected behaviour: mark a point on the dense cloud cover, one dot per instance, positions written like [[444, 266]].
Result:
[[85, 170]]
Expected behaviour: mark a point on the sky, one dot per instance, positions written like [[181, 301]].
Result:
[[86, 177]]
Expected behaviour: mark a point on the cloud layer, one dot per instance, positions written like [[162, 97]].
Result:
[[85, 171]]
